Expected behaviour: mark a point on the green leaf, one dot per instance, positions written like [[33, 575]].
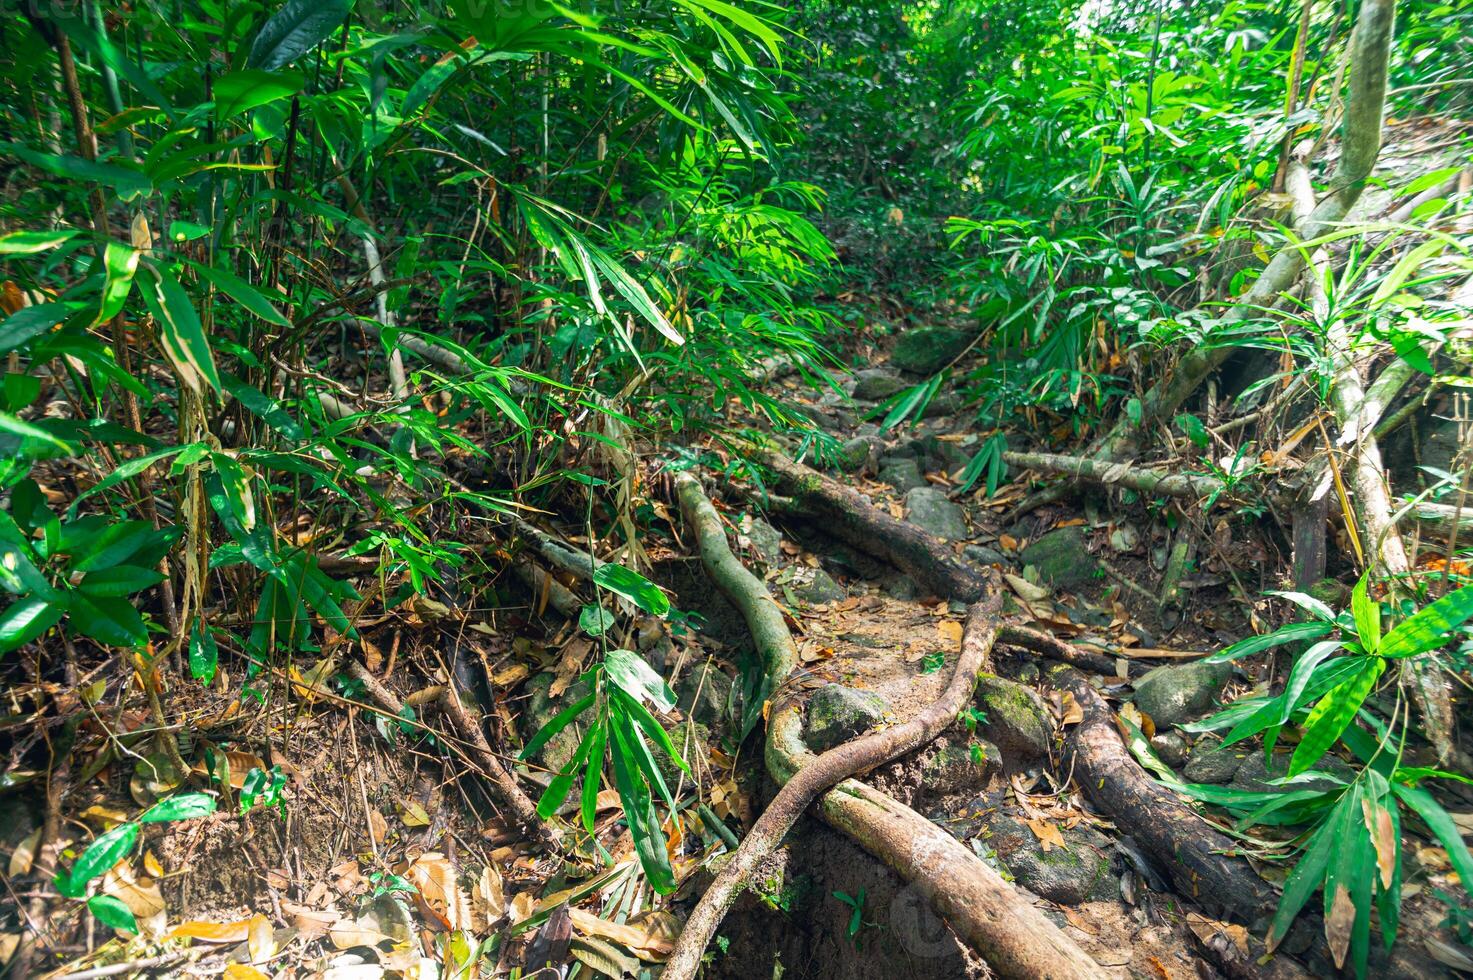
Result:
[[120, 264], [651, 727], [243, 293], [31, 242], [120, 580], [250, 88], [595, 620], [295, 29], [26, 619], [204, 655], [1334, 712], [1309, 872], [112, 912], [132, 468], [185, 806], [1428, 628], [101, 855], [639, 813], [30, 322], [1193, 429], [592, 777], [1299, 678], [114, 622], [1367, 614], [631, 674], [1440, 822], [26, 430], [129, 182], [632, 586], [1292, 633], [556, 724], [180, 332], [113, 546]]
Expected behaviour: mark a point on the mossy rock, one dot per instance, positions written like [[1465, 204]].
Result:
[[1018, 722], [1077, 872], [1061, 557], [539, 710], [926, 350], [1215, 764], [959, 767], [1178, 693], [837, 714], [702, 693]]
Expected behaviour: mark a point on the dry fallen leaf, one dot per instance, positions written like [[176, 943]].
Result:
[[1072, 713], [242, 971], [378, 827], [212, 932], [24, 854], [1338, 924], [950, 632], [260, 939], [414, 815], [141, 895], [439, 894], [1047, 833], [646, 940]]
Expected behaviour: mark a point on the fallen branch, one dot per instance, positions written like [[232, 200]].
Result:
[[1144, 479], [1053, 648], [1014, 937], [503, 787], [850, 517]]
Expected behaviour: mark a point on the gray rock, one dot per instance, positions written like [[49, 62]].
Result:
[[876, 384], [1178, 693], [857, 452], [702, 693], [837, 713], [1212, 763], [693, 741], [821, 588], [902, 474], [766, 541], [984, 555], [901, 587], [954, 767], [926, 350], [1018, 722], [1170, 748], [1061, 558], [1077, 872], [540, 709], [945, 403], [928, 509], [1254, 774]]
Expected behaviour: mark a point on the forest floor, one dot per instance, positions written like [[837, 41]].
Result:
[[380, 842]]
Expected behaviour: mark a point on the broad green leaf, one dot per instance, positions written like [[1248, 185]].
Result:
[[115, 622], [1334, 712], [180, 331], [1367, 612], [30, 322], [112, 912], [1428, 628], [127, 181], [295, 29], [25, 619], [243, 293], [639, 814], [1440, 822], [26, 430], [1193, 429], [31, 242], [557, 790], [1300, 676], [185, 806], [1315, 607], [101, 855], [267, 409], [204, 654], [1309, 871], [631, 674], [250, 88], [120, 580], [595, 620], [632, 586], [120, 264], [1292, 633], [132, 468], [593, 776], [115, 545]]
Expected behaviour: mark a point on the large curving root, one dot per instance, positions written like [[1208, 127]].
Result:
[[996, 919], [1194, 855]]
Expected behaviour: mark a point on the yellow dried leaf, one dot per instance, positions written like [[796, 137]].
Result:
[[243, 971], [24, 854], [212, 932], [950, 632], [378, 827], [1383, 835], [260, 939], [151, 865], [414, 815], [647, 940], [1047, 833], [1072, 713]]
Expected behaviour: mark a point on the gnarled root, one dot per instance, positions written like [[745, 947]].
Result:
[[849, 516], [1186, 847], [999, 922]]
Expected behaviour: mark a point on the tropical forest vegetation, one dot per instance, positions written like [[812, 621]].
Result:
[[731, 488]]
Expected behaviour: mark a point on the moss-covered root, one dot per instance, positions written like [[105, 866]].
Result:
[[1052, 648]]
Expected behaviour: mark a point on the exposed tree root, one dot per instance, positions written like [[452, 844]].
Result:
[[1187, 848], [503, 786], [1144, 479], [1001, 924], [848, 515], [1053, 648]]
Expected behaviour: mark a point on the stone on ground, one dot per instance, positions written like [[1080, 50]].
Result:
[[1018, 722], [1215, 764], [702, 693], [930, 510], [1061, 558], [902, 472], [837, 713], [1178, 693], [926, 350], [540, 709], [766, 541], [820, 588], [1077, 872], [953, 767], [876, 384]]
